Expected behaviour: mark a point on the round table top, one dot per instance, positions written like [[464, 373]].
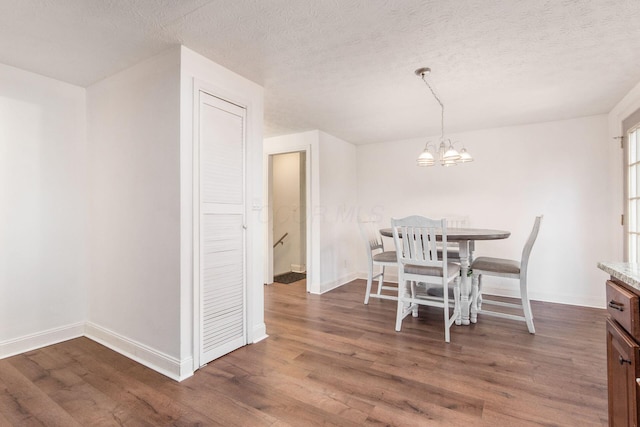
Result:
[[458, 234]]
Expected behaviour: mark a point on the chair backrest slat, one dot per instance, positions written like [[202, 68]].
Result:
[[417, 236], [370, 233]]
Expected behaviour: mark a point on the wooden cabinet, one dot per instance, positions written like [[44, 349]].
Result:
[[622, 371], [623, 354], [622, 305]]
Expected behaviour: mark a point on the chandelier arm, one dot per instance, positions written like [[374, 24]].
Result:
[[439, 102]]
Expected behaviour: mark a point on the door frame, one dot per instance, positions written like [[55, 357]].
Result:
[[199, 87], [629, 124], [268, 168]]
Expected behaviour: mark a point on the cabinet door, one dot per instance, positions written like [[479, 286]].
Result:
[[622, 371]]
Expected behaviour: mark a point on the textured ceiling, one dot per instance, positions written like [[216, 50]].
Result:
[[346, 66]]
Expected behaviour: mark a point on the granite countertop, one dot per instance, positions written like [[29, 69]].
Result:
[[628, 272]]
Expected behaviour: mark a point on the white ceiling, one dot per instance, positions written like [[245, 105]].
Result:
[[346, 66]]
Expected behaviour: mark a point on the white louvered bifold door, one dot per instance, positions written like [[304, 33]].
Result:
[[221, 228]]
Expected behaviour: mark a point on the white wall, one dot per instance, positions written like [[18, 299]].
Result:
[[337, 212], [42, 211], [288, 212], [198, 71], [559, 169], [134, 207]]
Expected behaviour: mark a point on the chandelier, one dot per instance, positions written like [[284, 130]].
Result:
[[446, 154]]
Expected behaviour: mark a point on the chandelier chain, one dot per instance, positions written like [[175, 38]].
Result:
[[439, 102]]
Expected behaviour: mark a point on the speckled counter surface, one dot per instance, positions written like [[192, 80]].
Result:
[[629, 273]]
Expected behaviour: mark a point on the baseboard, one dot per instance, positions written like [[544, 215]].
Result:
[[568, 299], [259, 333], [298, 268], [26, 343], [326, 287], [391, 277], [166, 365]]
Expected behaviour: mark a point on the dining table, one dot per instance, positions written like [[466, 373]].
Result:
[[465, 238]]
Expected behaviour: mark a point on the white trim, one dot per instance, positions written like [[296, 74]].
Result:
[[297, 268], [30, 342], [334, 284], [259, 334], [555, 297], [268, 230], [513, 292], [195, 238], [169, 366], [389, 276]]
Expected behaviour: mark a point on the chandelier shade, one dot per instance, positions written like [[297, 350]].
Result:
[[426, 159]]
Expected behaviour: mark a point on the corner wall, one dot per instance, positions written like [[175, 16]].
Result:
[[42, 211], [96, 209], [134, 207]]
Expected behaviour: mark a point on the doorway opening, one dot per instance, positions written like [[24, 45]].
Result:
[[288, 217]]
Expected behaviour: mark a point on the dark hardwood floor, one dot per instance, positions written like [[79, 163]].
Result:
[[331, 360]]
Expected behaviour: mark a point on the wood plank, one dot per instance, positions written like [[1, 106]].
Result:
[[22, 403], [331, 360]]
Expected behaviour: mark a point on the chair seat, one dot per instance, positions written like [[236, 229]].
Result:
[[510, 269], [387, 256], [496, 265], [452, 268], [378, 257]]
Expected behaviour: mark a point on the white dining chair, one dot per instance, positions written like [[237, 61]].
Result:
[[377, 256], [453, 249], [419, 265], [512, 269]]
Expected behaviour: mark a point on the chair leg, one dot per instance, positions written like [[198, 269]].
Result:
[[456, 298], [369, 280], [402, 284], [414, 312], [526, 305], [456, 308], [447, 325], [380, 281], [479, 299], [474, 298]]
